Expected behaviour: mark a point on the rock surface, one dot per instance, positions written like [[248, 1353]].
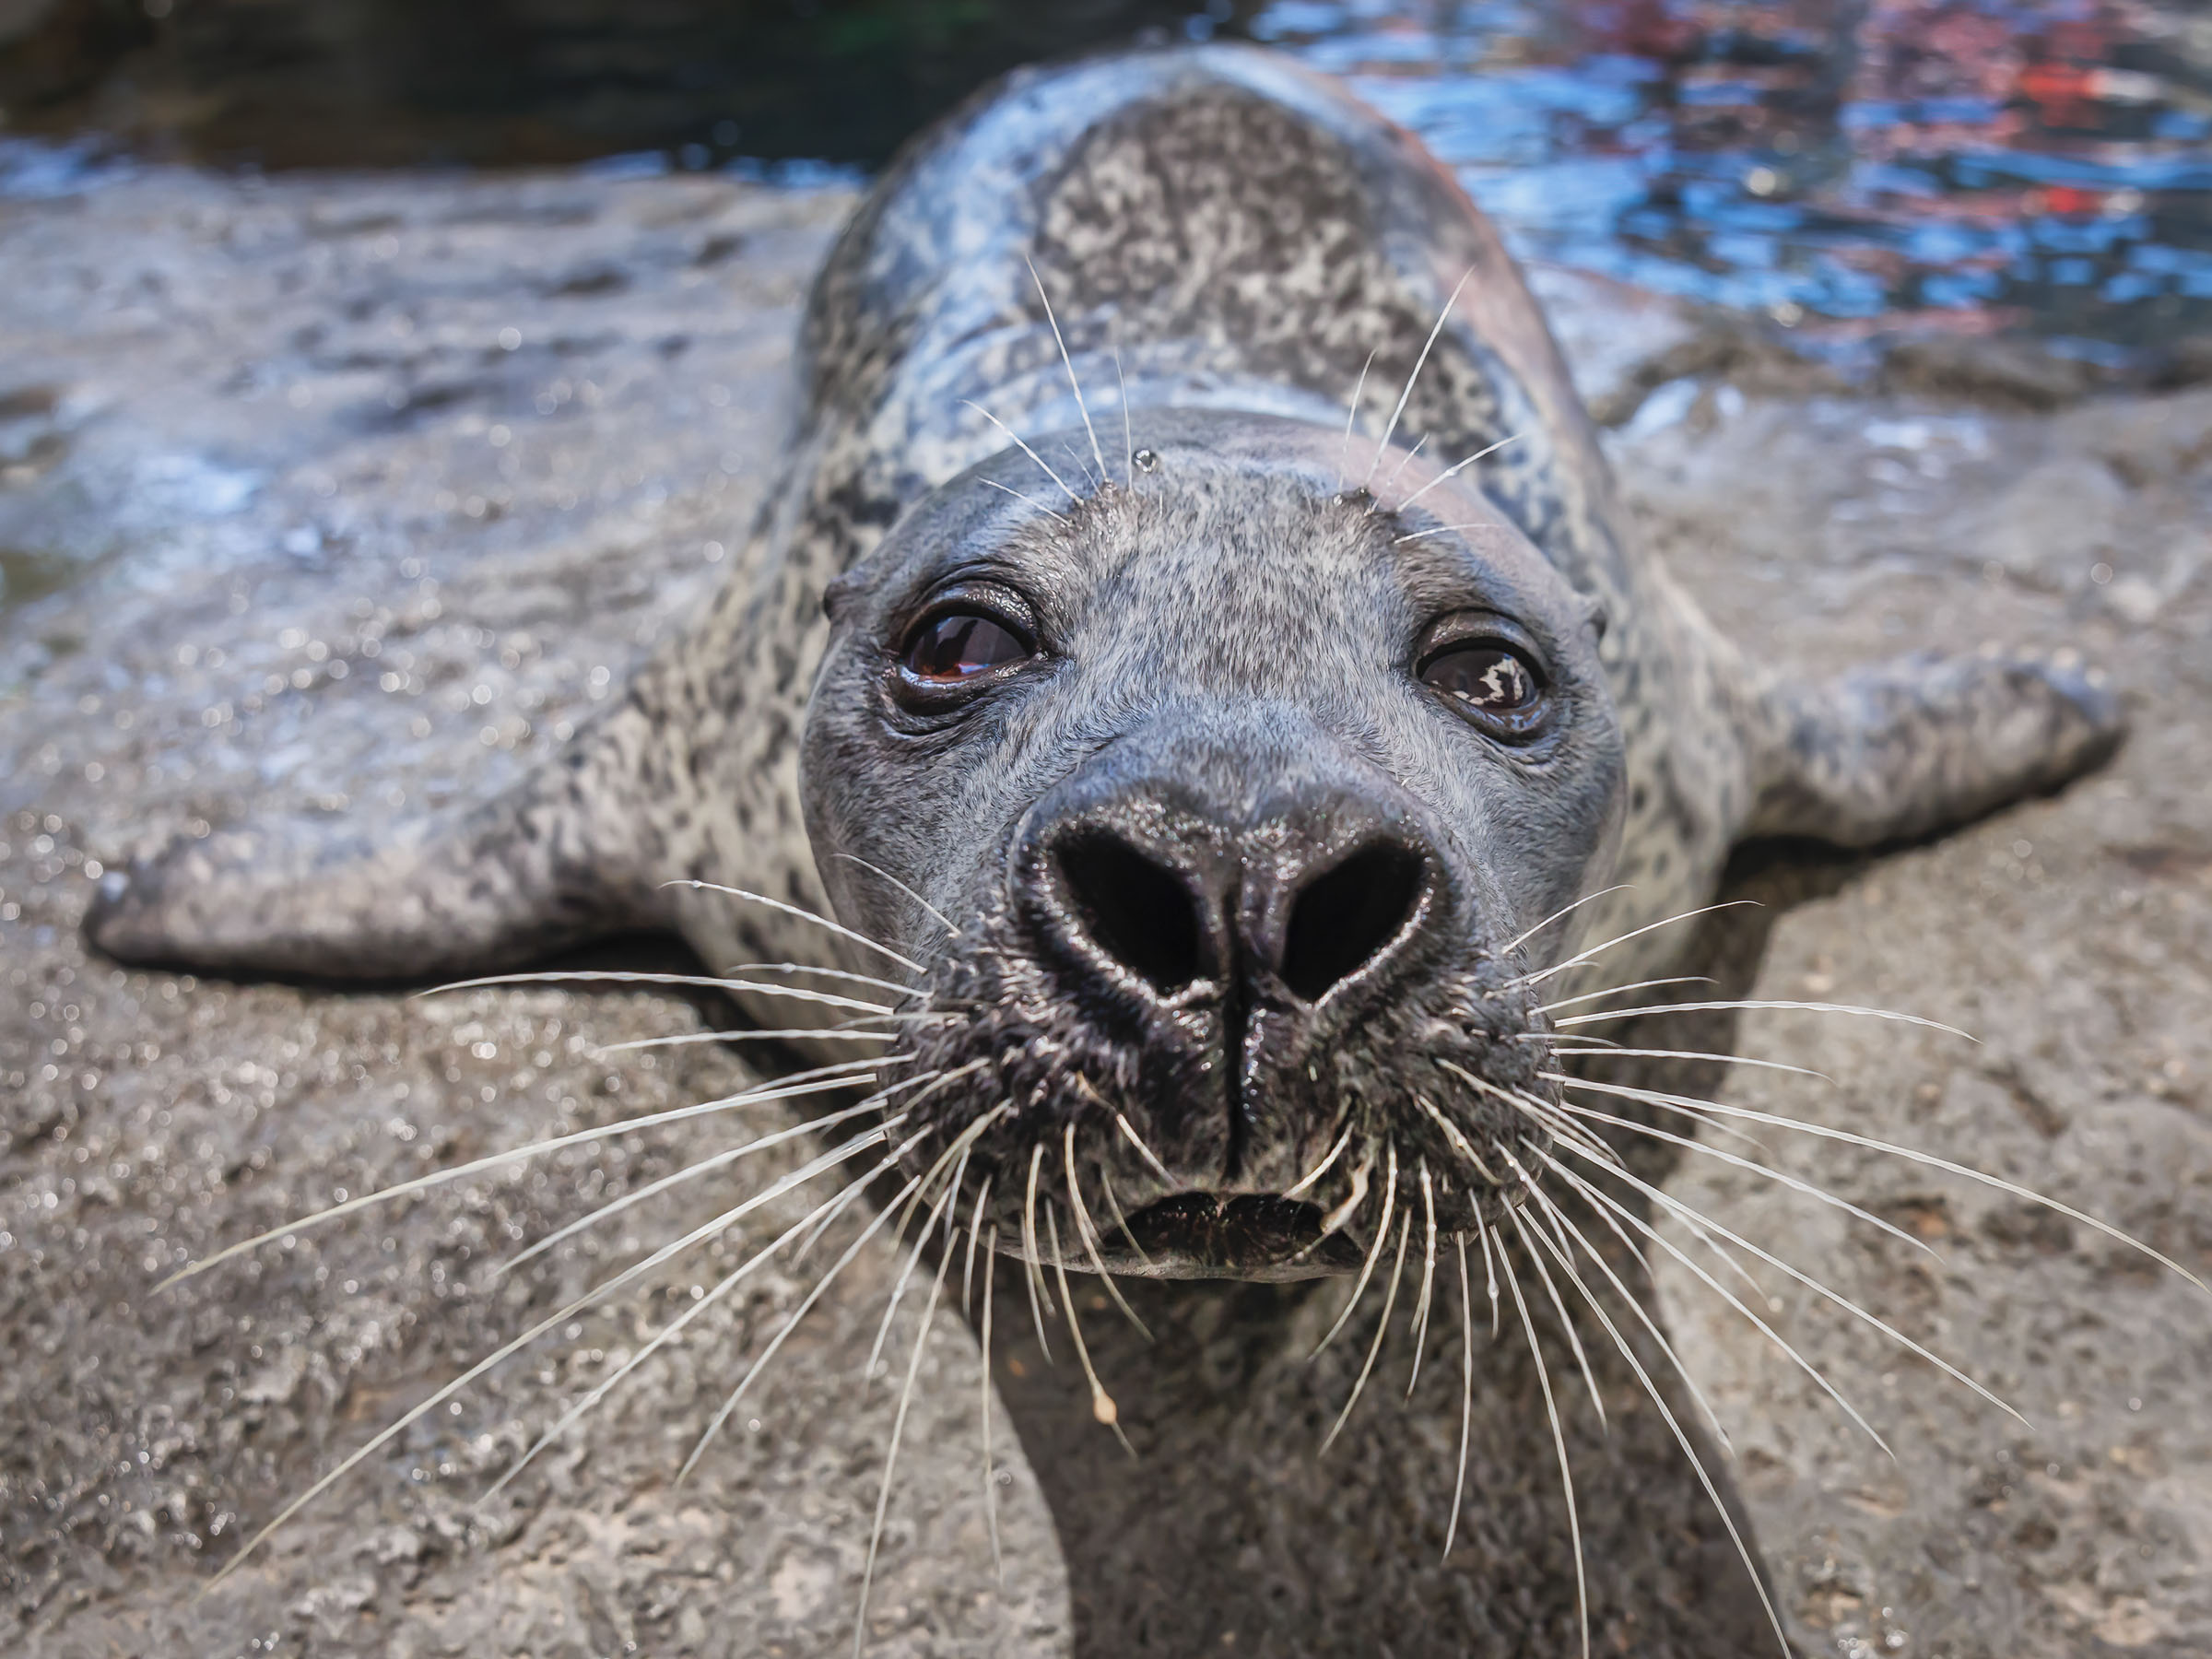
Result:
[[347, 496]]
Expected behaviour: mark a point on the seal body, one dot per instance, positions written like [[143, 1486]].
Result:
[[1196, 656]]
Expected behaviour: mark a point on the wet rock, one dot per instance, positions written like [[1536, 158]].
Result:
[[2001, 372]]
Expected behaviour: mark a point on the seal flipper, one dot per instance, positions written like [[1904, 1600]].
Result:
[[554, 860], [1899, 749]]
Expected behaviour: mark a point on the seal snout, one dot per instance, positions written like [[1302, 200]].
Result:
[[1154, 901]]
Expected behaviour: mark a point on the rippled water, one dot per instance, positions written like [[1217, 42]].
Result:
[[1973, 166], [1839, 165]]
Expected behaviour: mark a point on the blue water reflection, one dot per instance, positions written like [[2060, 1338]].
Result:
[[1967, 164]]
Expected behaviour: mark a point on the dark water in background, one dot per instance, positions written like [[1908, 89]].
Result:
[[1837, 165]]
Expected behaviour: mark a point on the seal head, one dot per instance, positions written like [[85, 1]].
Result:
[[1209, 794]]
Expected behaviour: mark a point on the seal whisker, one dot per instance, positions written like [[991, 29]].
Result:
[[1088, 1234], [1810, 1189], [624, 977], [1039, 1298], [1467, 1387], [1490, 1269], [1374, 1251], [614, 1207], [1390, 1298], [891, 1459], [1452, 1133], [791, 1322], [1068, 363], [1351, 413], [1406, 460], [846, 1079], [1321, 1169], [975, 1233], [1590, 952], [1102, 1407], [1568, 1002], [1739, 1006], [1025, 449], [1558, 1437], [828, 1208], [1120, 1220], [801, 914], [1390, 430], [1911, 1155], [1728, 1296], [597, 1293], [1651, 1054], [1031, 501], [1420, 1306], [937, 1208], [1674, 1206], [998, 1565], [884, 874], [843, 974], [1551, 1291], [1128, 434], [1564, 911], [799, 1033], [1135, 1139], [1459, 467]]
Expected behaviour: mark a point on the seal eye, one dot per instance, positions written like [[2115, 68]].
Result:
[[1490, 682], [959, 645]]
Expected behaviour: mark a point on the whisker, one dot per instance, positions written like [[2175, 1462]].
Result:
[[846, 974], [1674, 1206], [1088, 1234], [800, 1033], [1067, 363], [1489, 1269], [1791, 1181], [831, 1207], [1037, 1296], [1138, 1141], [1351, 413], [596, 976], [1025, 449], [1031, 501], [1405, 460], [1374, 1254], [607, 1211], [1650, 984], [1420, 1306], [1720, 1290], [1559, 1441], [803, 914], [1558, 1306], [1645, 1053], [943, 1202], [975, 1232], [1590, 952], [1102, 1407], [1928, 1159], [1520, 940], [1808, 1007], [1459, 467], [1460, 1143], [791, 1324], [1467, 1383], [1321, 1169], [436, 1177], [1390, 1297], [607, 1288], [998, 1565], [1390, 430], [1128, 437], [1120, 1220], [891, 1459], [881, 874]]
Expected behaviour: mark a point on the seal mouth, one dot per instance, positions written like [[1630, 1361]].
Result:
[[1228, 1235]]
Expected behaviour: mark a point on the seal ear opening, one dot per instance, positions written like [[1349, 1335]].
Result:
[[553, 862]]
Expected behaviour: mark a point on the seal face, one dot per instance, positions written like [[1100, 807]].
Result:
[[1233, 781], [1238, 780]]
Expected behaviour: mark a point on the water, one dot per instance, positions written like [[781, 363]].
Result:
[[1840, 166]]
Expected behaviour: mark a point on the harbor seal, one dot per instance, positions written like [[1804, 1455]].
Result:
[[1215, 789]]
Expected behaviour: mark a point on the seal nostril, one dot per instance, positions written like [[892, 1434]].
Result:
[[1347, 916], [1137, 911]]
